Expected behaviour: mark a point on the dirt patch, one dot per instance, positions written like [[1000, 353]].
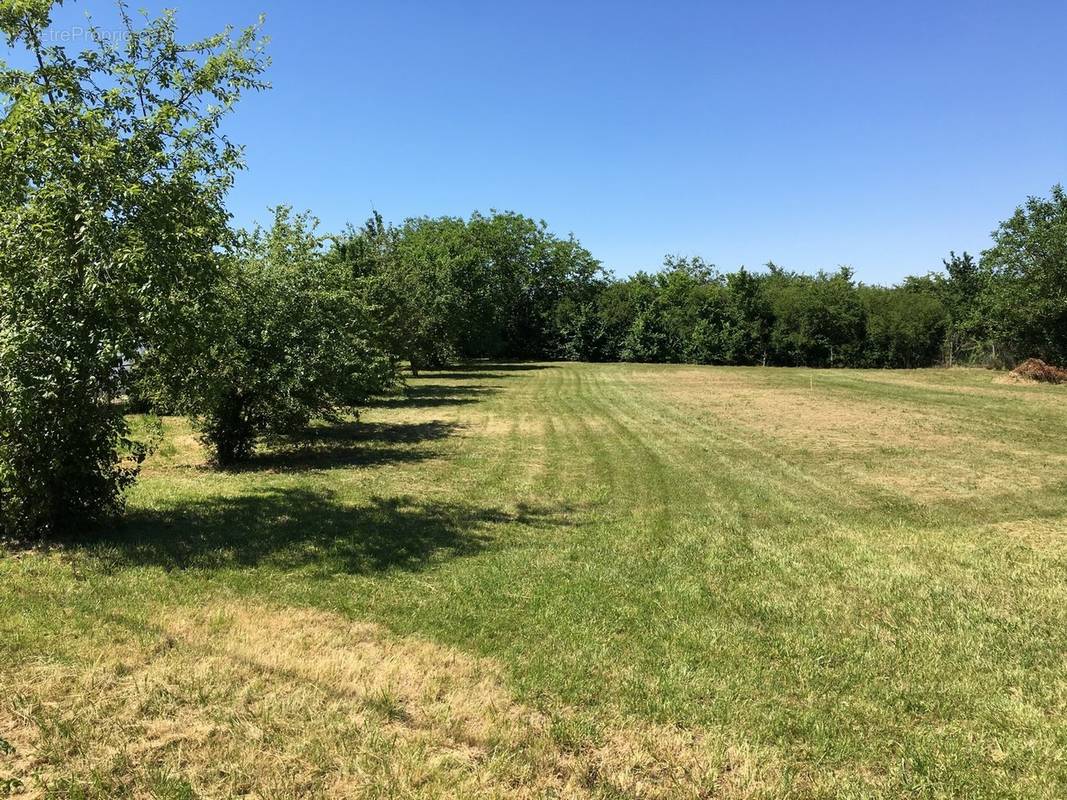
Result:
[[238, 700], [1009, 379]]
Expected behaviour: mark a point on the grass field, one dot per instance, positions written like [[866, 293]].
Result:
[[543, 580]]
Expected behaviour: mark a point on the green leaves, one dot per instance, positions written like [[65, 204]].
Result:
[[1025, 286], [287, 337], [447, 287], [112, 180]]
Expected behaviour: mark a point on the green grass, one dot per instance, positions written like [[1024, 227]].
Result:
[[848, 583]]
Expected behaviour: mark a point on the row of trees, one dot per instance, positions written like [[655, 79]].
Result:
[[503, 285], [120, 277]]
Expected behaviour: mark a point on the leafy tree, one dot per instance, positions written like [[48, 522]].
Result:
[[366, 250], [367, 254], [818, 319], [620, 305], [289, 338], [579, 331], [962, 293], [530, 271], [686, 291], [647, 340], [488, 286], [734, 320], [435, 289], [1026, 285], [906, 325], [616, 306], [749, 319], [112, 176]]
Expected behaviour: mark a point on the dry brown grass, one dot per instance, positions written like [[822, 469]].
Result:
[[500, 425], [244, 700], [1040, 534], [805, 417], [920, 452]]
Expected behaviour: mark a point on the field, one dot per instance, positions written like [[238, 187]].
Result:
[[574, 580]]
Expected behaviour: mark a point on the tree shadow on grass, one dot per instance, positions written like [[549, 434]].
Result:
[[350, 444], [429, 395], [509, 366], [434, 395], [482, 370], [299, 529]]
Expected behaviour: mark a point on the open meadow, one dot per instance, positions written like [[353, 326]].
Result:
[[573, 580]]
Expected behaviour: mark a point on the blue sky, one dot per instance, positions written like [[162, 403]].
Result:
[[878, 135]]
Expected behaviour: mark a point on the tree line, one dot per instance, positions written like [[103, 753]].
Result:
[[123, 281], [504, 286]]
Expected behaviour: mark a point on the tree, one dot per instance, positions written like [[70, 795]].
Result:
[[433, 285], [579, 330], [288, 338], [962, 290], [687, 292], [1026, 280], [749, 317], [734, 324], [906, 325], [529, 272], [496, 285], [112, 177], [818, 319]]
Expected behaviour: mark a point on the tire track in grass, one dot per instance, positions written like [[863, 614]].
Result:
[[710, 576], [582, 453], [498, 463], [724, 477], [695, 580]]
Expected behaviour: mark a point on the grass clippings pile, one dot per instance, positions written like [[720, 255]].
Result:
[[1034, 370]]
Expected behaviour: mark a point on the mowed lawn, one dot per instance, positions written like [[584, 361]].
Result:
[[571, 580]]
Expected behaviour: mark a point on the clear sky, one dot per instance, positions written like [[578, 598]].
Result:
[[874, 134]]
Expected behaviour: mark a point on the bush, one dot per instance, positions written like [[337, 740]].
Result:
[[65, 453], [906, 327]]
